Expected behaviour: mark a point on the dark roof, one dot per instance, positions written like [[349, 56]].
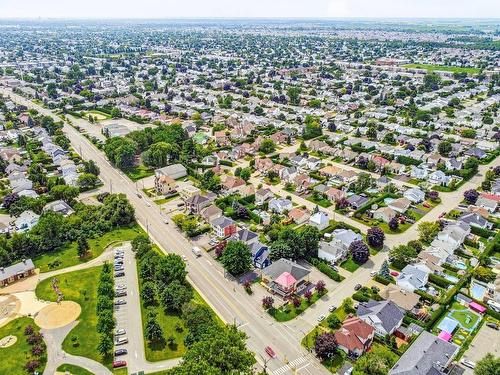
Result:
[[426, 356], [387, 311], [16, 269], [245, 235], [285, 265]]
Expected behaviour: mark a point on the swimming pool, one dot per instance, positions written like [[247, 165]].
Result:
[[477, 291], [460, 265], [451, 278]]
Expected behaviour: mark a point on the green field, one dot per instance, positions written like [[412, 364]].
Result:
[[74, 370], [139, 172], [460, 315], [13, 358], [67, 256], [81, 287], [350, 265], [444, 68]]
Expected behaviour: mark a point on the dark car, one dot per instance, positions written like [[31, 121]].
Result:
[[357, 287], [121, 293], [120, 352], [492, 325], [119, 274]]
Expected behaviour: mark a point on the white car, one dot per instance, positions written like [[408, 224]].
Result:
[[373, 273], [120, 332], [467, 363], [321, 318], [120, 302]]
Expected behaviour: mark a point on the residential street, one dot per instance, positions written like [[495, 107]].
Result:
[[227, 298]]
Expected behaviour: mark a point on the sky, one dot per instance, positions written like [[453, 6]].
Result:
[[249, 8]]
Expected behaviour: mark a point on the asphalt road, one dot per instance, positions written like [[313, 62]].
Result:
[[227, 298]]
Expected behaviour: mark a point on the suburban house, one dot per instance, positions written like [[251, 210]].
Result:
[[198, 202], [336, 250], [404, 299], [415, 195], [413, 277], [356, 201], [319, 220], [263, 195], [285, 277], [384, 316], [419, 173], [260, 254], [59, 206], [232, 185], [355, 337], [280, 205], [400, 205], [11, 274], [175, 171], [427, 355], [165, 185], [476, 220], [210, 213], [224, 227], [384, 214], [27, 220], [246, 236], [187, 191], [488, 202], [439, 178], [299, 215]]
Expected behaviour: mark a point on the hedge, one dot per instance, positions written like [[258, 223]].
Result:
[[482, 232], [439, 281], [360, 297], [227, 163], [325, 268], [426, 296], [382, 280]]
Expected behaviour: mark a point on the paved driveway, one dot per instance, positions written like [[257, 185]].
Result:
[[486, 341]]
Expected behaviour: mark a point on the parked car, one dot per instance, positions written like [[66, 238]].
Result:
[[120, 352], [119, 268], [121, 340], [120, 302], [118, 364], [120, 332], [119, 274], [120, 286], [467, 363], [357, 287], [196, 251], [121, 293], [492, 325], [441, 215], [139, 195], [373, 273], [332, 308], [270, 352], [394, 273], [321, 318]]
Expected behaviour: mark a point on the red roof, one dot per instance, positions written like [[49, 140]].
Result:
[[353, 334], [493, 197]]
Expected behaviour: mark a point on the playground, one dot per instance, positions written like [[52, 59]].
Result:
[[58, 315]]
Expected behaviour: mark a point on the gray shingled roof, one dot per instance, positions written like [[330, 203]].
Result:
[[18, 268], [425, 356], [284, 265], [387, 311]]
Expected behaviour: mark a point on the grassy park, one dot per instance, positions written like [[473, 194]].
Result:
[[81, 287], [443, 68], [67, 255], [73, 370], [14, 357]]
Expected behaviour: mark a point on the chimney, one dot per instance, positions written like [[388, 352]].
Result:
[[24, 260]]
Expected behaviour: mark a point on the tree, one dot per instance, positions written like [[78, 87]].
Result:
[[105, 344], [236, 258], [359, 251], [489, 365], [320, 286], [161, 153], [384, 270], [153, 331], [117, 210], [403, 254], [294, 95], [310, 237], [267, 302], [393, 224], [296, 301], [363, 182], [431, 81], [88, 181], [115, 112], [171, 268], [174, 295], [105, 322], [375, 237], [121, 151], [377, 362], [471, 196], [82, 246], [312, 128], [427, 231], [267, 146], [325, 345], [32, 365], [148, 293], [444, 148], [484, 274], [245, 174], [210, 181], [308, 295], [333, 321], [433, 195], [280, 249]]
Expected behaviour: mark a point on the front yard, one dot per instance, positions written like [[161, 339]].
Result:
[[288, 311]]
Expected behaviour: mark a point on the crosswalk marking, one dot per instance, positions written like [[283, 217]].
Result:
[[293, 364]]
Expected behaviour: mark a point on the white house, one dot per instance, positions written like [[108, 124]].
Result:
[[280, 205], [415, 195], [320, 220], [413, 277], [27, 220]]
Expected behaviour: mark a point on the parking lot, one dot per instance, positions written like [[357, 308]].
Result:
[[486, 341], [127, 315]]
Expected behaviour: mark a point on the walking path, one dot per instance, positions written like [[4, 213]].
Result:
[[56, 356]]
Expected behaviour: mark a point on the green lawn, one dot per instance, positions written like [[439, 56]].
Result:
[[139, 172], [165, 200], [350, 265], [74, 370], [461, 316], [67, 256], [444, 68], [289, 311], [81, 287], [13, 358], [321, 202]]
